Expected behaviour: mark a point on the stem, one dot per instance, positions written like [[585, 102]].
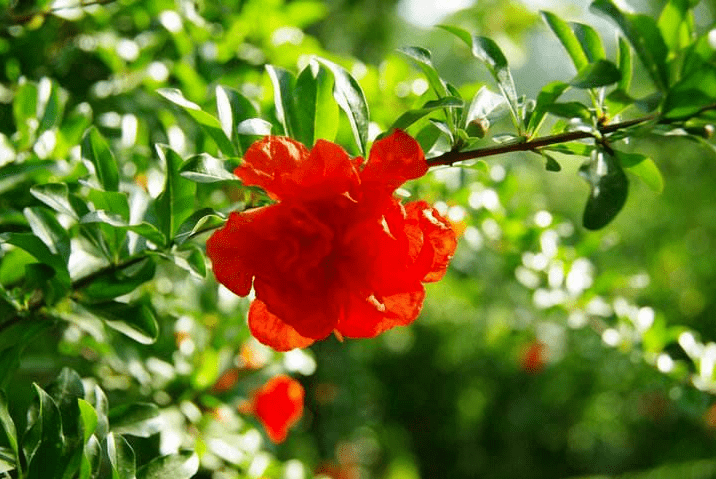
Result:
[[535, 144], [451, 157]]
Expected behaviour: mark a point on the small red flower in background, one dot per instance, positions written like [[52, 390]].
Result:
[[337, 252], [532, 359], [278, 404]]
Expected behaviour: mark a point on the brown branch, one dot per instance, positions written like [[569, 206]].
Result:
[[452, 157], [535, 144]]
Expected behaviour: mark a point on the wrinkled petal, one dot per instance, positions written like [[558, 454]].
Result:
[[278, 404], [439, 241], [312, 310], [393, 160], [268, 329], [328, 172], [269, 164], [369, 317]]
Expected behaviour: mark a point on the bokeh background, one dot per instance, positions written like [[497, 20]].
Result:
[[548, 351]]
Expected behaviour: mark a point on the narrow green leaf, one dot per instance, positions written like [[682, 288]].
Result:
[[45, 226], [326, 116], [486, 105], [689, 96], [233, 108], [304, 98], [121, 457], [547, 96], [8, 426], [96, 150], [351, 99], [551, 163], [136, 321], [254, 127], [567, 37], [14, 175], [210, 124], [120, 282], [34, 245], [176, 466], [644, 35], [98, 400], [674, 25], [50, 104], [460, 33], [88, 417], [135, 419], [597, 74], [590, 42], [423, 60], [625, 65], [56, 196], [205, 219], [176, 201], [571, 109], [44, 459], [204, 168], [7, 461], [411, 116], [284, 84], [488, 52], [144, 229], [609, 189], [643, 167], [91, 459]]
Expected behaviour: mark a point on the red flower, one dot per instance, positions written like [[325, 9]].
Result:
[[279, 405], [337, 252]]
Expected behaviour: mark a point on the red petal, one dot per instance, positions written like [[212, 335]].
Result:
[[268, 329], [268, 163], [394, 160], [439, 241], [329, 171], [228, 253], [279, 405], [367, 318]]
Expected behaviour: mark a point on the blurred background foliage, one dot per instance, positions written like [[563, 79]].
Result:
[[547, 351]]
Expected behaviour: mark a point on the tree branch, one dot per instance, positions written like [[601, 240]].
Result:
[[535, 144]]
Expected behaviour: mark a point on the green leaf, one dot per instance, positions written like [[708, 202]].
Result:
[[14, 174], [176, 466], [304, 98], [50, 104], [136, 321], [488, 52], [143, 229], [204, 168], [674, 23], [210, 124], [196, 260], [411, 116], [121, 457], [234, 108], [96, 151], [691, 94], [590, 42], [571, 109], [625, 63], [45, 226], [205, 218], [423, 60], [326, 116], [7, 461], [91, 459], [34, 245], [551, 163], [56, 196], [609, 189], [135, 419], [568, 38], [349, 95], [176, 201], [119, 282], [254, 127], [98, 400], [486, 105], [547, 96], [88, 417], [644, 35], [9, 427], [597, 74], [643, 167], [284, 84], [46, 455]]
